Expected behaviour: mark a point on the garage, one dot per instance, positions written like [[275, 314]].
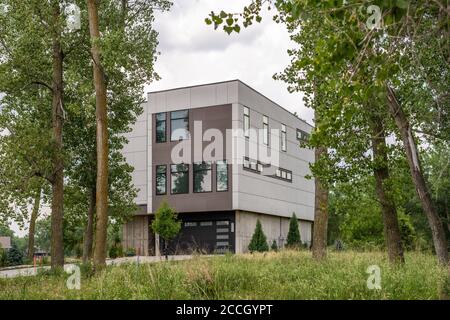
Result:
[[204, 233]]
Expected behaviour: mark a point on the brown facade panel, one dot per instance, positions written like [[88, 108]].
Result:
[[215, 117]]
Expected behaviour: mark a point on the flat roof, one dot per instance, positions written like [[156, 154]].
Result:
[[235, 80]]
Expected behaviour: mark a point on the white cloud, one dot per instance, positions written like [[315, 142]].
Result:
[[194, 53]]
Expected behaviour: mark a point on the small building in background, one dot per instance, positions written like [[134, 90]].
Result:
[[5, 242]]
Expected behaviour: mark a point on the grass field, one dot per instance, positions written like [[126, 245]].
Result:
[[282, 275]]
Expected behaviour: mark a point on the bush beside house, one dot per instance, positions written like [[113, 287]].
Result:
[[293, 237], [259, 240]]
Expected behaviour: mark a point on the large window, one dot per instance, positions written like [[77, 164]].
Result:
[[246, 122], [161, 127], [283, 138], [265, 130], [179, 182], [179, 125], [202, 177], [221, 176], [161, 180]]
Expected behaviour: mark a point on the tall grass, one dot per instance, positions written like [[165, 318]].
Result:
[[282, 275]]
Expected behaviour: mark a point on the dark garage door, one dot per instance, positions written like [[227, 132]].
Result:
[[205, 236]]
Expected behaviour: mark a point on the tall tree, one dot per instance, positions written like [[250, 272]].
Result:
[[388, 208], [32, 226], [57, 178], [390, 43], [102, 138]]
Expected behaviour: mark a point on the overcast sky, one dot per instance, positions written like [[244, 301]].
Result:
[[193, 53]]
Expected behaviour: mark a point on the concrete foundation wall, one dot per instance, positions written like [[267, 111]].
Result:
[[274, 227], [136, 235]]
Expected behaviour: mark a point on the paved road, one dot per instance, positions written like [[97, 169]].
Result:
[[12, 273]]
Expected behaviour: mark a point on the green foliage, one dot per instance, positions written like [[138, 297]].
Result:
[[129, 51], [115, 244], [274, 246], [166, 222], [293, 237], [115, 251], [43, 234], [281, 275], [259, 240], [130, 252], [343, 63], [3, 258], [355, 218], [14, 256]]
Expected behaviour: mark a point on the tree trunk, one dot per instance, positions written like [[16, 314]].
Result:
[[447, 214], [102, 139], [89, 232], [32, 228], [381, 172], [412, 155], [319, 245], [57, 246]]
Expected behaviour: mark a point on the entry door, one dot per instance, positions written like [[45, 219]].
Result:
[[224, 236]]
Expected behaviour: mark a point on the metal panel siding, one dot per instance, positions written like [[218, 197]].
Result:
[[259, 193]]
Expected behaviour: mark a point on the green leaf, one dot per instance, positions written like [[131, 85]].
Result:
[[403, 4], [223, 14]]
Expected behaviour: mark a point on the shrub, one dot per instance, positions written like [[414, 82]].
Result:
[[130, 252], [14, 256], [259, 240], [3, 258], [166, 224], [113, 252], [274, 246], [293, 237]]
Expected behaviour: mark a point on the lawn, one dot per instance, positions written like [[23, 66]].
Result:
[[282, 275]]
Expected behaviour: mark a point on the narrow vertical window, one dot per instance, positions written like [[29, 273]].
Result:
[[179, 125], [202, 177], [161, 127], [179, 182], [222, 176], [283, 138], [161, 180], [246, 122], [266, 130]]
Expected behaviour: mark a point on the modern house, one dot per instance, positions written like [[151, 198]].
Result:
[[222, 155]]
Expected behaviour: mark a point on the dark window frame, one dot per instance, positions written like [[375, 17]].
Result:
[[193, 176], [172, 172], [179, 118], [266, 127], [225, 162], [283, 136], [304, 136], [165, 126], [259, 164], [286, 172], [246, 116], [156, 180]]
